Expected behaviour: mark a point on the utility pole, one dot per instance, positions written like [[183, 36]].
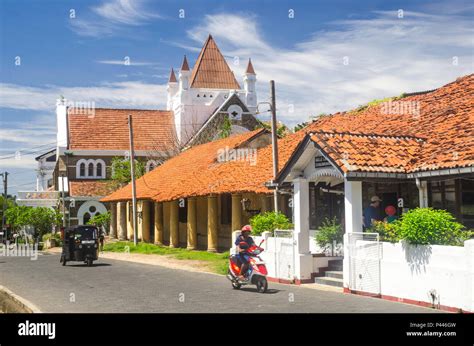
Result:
[[63, 188], [5, 186], [132, 173], [274, 144]]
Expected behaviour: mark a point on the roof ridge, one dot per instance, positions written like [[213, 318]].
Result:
[[368, 135]]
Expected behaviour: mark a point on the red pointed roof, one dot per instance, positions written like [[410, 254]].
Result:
[[211, 70], [185, 66], [250, 69], [172, 78]]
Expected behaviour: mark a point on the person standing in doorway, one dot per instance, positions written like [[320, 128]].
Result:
[[372, 212]]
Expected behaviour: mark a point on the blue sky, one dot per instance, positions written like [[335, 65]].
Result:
[[330, 56]]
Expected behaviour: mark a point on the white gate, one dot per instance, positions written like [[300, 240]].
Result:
[[284, 245], [365, 252]]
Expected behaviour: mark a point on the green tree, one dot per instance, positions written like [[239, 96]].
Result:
[[268, 222], [100, 220], [329, 234], [42, 219], [226, 128], [121, 172], [426, 226]]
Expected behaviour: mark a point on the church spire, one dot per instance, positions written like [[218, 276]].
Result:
[[250, 69], [185, 66], [172, 78]]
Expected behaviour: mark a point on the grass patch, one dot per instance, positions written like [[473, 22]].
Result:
[[218, 262]]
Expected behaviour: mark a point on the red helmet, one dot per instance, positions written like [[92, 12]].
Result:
[[247, 228]]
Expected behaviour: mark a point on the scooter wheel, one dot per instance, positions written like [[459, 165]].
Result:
[[236, 285], [262, 285]]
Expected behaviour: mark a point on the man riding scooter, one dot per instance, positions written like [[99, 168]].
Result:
[[243, 242]]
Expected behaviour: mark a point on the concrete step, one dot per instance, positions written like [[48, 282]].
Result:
[[329, 281], [336, 268], [337, 274]]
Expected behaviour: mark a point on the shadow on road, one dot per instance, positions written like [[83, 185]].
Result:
[[83, 265], [254, 290]]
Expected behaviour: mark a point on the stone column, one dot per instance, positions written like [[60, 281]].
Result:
[[122, 220], [236, 216], [144, 222], [212, 222], [129, 221], [422, 193], [158, 223], [192, 224], [353, 219], [113, 220], [303, 257], [174, 224]]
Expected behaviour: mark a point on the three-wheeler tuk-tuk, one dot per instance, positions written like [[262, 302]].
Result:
[[80, 244]]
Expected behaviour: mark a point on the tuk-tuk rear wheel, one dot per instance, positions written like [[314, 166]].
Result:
[[63, 260]]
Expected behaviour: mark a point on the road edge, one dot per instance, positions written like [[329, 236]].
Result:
[[11, 302]]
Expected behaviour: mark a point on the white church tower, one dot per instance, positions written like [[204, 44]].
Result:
[[198, 93]]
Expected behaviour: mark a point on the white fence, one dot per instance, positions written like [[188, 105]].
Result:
[[364, 262], [278, 253], [439, 276]]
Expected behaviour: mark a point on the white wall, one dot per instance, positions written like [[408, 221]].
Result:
[[411, 272]]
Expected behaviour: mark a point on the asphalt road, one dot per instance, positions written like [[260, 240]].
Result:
[[119, 286]]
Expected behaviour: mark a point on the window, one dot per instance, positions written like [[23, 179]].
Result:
[[99, 170], [151, 165], [82, 170], [226, 208], [90, 171]]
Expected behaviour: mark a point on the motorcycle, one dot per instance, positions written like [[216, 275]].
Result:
[[256, 273]]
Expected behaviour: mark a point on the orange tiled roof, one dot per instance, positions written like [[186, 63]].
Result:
[[369, 153], [211, 70], [86, 188], [107, 129], [195, 172], [368, 141], [445, 120]]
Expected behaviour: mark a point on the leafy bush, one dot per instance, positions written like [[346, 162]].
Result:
[[269, 221], [431, 226], [100, 220], [387, 231], [41, 218], [52, 236], [330, 233]]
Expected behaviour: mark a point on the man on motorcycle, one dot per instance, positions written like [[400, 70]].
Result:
[[243, 242]]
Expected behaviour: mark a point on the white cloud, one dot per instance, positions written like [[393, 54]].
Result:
[[111, 17], [126, 62], [130, 94], [386, 56]]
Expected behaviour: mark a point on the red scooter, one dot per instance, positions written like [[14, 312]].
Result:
[[256, 273]]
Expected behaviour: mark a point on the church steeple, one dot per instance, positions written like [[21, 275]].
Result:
[[211, 70], [250, 69], [172, 78], [184, 75], [184, 65]]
